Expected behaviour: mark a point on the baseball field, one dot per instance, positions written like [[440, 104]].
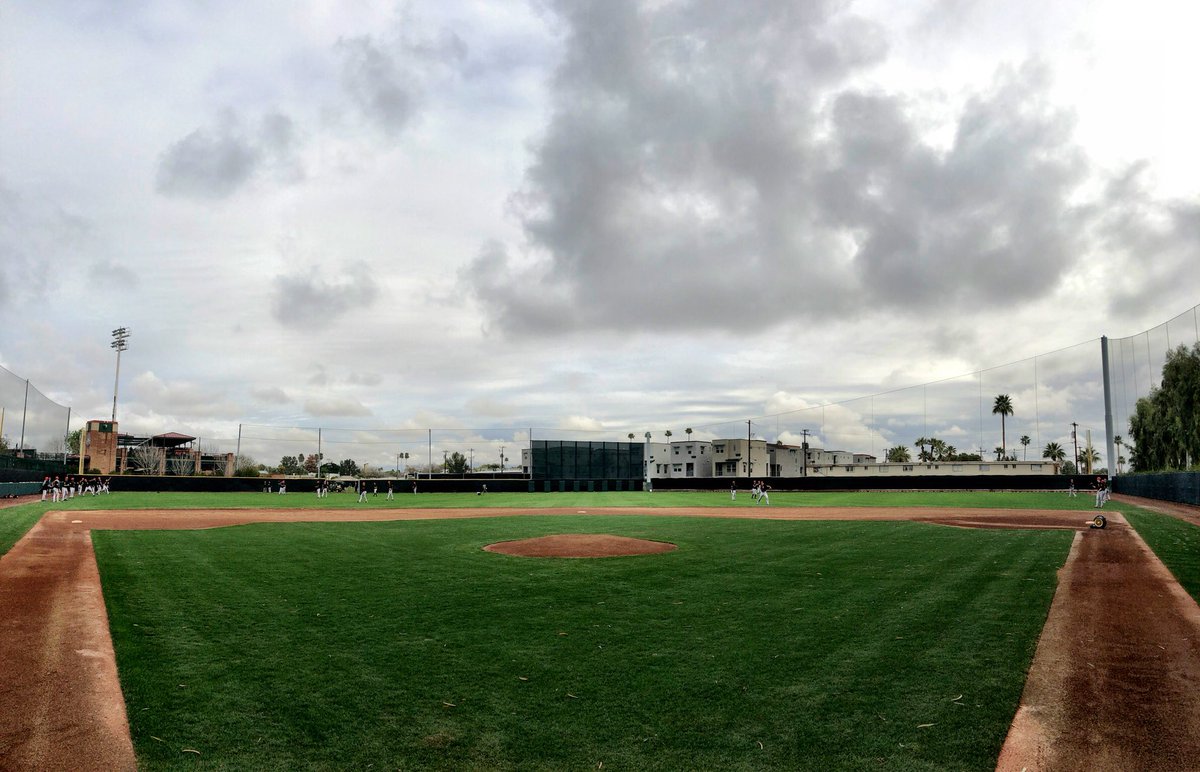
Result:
[[829, 631]]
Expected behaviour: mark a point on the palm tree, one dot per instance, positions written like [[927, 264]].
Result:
[[921, 442], [1003, 405], [999, 451], [1090, 457], [937, 449], [689, 433], [1120, 460], [631, 436], [1054, 452], [1025, 444], [668, 433], [898, 454]]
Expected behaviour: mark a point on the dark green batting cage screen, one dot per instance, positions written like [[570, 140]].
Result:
[[569, 460]]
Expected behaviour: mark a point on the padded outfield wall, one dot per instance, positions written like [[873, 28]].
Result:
[[1180, 487]]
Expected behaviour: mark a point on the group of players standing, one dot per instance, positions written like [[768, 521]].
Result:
[[758, 492], [68, 487]]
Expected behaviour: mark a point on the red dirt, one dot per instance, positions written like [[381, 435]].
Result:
[[1115, 682], [580, 545]]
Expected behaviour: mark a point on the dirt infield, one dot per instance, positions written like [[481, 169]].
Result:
[[1115, 682], [580, 545]]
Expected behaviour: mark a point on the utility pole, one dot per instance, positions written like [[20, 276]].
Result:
[[1075, 439], [749, 455], [501, 458]]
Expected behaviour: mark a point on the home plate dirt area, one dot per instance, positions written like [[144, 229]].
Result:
[[1114, 685]]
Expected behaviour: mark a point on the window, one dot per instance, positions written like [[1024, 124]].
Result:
[[850, 469], [984, 467], [691, 470], [676, 467], [884, 468], [956, 468], [718, 448], [1035, 467], [906, 468]]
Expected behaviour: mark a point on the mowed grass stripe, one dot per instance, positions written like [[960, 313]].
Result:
[[583, 500], [1175, 541], [756, 645]]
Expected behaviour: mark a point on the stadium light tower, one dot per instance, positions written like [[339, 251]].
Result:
[[120, 336]]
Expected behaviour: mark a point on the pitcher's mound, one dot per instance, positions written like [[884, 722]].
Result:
[[580, 545]]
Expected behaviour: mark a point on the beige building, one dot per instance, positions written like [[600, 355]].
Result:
[[740, 458], [679, 460]]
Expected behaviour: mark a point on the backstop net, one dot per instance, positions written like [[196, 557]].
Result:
[[33, 424], [1135, 365]]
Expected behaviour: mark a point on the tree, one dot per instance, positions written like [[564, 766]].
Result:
[[348, 467], [668, 433], [689, 433], [1025, 444], [291, 465], [456, 463], [1054, 452], [146, 457], [898, 454], [1120, 459], [631, 436], [1004, 407], [999, 451], [245, 466], [1165, 426], [312, 462], [921, 442], [1089, 457], [73, 439]]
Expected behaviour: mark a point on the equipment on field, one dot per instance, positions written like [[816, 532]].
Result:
[[1099, 521]]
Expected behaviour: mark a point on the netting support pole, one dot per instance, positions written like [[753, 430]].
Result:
[[237, 456], [1108, 416], [66, 449], [24, 411]]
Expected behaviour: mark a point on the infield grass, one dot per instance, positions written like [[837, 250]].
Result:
[[755, 645]]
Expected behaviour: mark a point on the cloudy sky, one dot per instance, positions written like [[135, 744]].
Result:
[[590, 218]]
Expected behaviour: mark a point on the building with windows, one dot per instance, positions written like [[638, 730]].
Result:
[[740, 458], [679, 460]]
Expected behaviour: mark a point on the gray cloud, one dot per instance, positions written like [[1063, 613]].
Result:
[[714, 166], [214, 163], [313, 300], [38, 239], [386, 81]]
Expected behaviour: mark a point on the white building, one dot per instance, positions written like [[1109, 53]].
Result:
[[740, 458]]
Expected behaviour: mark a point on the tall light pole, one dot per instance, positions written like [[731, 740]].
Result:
[[501, 458], [120, 336]]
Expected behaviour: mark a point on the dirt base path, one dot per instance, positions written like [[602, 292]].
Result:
[[1115, 683]]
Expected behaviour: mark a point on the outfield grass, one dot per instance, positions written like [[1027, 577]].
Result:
[[1175, 541], [16, 521], [755, 645], [583, 500]]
